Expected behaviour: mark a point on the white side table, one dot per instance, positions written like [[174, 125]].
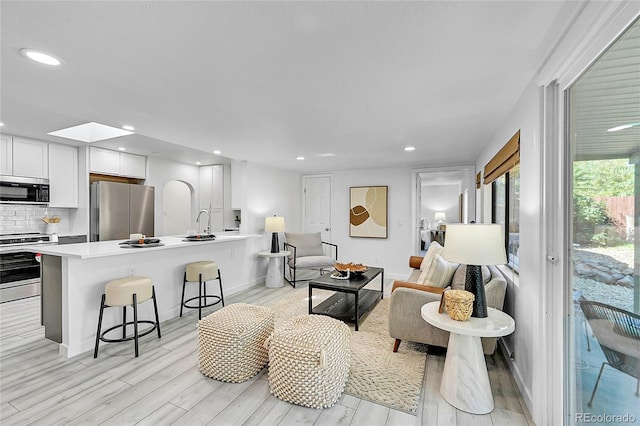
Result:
[[275, 270], [465, 381]]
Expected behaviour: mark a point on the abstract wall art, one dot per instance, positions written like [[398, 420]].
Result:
[[368, 211]]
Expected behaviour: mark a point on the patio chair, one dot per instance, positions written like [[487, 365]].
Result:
[[618, 333], [307, 252]]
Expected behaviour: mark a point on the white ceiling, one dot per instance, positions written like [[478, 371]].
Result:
[[268, 81]]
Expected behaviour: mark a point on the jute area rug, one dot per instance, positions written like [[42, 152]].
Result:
[[377, 374]]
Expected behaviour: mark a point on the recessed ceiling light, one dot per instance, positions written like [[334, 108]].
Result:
[[129, 128], [90, 132], [217, 152], [198, 163], [624, 126], [122, 148], [41, 57], [326, 154], [300, 157], [1, 124], [409, 148]]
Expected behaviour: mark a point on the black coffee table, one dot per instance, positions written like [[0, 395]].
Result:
[[352, 301]]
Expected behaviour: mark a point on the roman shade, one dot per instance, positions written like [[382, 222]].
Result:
[[507, 158], [478, 180]]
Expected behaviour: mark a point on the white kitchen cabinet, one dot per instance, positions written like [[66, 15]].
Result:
[[237, 183], [63, 176], [6, 155], [132, 165], [108, 162], [211, 187], [104, 161], [30, 158]]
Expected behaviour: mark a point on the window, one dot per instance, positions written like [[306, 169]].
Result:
[[503, 173], [505, 210]]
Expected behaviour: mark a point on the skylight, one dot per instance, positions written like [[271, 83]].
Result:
[[90, 132]]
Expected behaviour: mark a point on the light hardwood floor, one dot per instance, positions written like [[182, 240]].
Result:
[[163, 385]]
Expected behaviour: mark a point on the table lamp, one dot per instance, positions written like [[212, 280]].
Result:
[[440, 217], [475, 245], [274, 224]]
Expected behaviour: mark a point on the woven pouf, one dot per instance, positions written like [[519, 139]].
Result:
[[231, 342], [309, 360]]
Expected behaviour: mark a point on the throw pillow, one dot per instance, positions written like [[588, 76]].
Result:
[[439, 273], [433, 249], [457, 283]]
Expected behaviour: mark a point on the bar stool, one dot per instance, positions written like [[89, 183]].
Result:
[[201, 272], [123, 292]]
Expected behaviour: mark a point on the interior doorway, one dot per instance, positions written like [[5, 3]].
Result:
[[440, 195], [317, 205], [176, 208]]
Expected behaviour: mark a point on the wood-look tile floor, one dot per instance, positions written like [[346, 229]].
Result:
[[163, 386]]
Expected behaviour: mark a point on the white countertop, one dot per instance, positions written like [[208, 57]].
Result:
[[113, 248]]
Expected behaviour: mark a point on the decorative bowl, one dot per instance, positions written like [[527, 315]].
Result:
[[354, 268]]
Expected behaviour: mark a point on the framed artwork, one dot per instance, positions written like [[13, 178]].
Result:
[[368, 211]]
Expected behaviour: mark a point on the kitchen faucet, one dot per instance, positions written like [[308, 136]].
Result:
[[208, 228]]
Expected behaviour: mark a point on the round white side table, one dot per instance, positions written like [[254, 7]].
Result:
[[465, 381], [275, 270]]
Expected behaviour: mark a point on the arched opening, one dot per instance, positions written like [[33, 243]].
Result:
[[176, 207]]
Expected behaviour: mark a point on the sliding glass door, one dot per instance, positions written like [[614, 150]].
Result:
[[604, 334]]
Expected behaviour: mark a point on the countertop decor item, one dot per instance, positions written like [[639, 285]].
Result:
[[475, 245], [459, 304]]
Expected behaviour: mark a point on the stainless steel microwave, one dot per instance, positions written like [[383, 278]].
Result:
[[20, 190]]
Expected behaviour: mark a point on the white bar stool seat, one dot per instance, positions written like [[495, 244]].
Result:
[[124, 292], [201, 272]]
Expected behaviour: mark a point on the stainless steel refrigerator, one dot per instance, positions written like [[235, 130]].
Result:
[[120, 209]]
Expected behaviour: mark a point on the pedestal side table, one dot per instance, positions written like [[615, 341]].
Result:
[[465, 381], [275, 271]]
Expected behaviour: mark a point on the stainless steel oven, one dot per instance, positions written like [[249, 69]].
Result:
[[19, 269]]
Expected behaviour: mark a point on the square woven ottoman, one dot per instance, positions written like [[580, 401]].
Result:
[[231, 342], [309, 359]]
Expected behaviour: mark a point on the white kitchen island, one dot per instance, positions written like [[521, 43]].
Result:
[[74, 277]]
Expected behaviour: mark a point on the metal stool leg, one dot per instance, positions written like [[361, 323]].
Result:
[[95, 351], [184, 282], [200, 296], [135, 321], [220, 281], [155, 309], [124, 322]]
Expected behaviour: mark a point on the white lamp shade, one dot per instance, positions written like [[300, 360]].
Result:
[[474, 244], [440, 216], [274, 224]]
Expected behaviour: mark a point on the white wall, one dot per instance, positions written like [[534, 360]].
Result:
[[527, 303], [161, 171], [270, 191], [440, 198], [391, 253]]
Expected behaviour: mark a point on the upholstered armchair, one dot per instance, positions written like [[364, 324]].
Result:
[[307, 252], [407, 298]]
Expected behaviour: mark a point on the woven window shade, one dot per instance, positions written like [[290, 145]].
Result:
[[506, 159], [478, 180]]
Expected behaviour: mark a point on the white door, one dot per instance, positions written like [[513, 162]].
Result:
[[176, 207], [317, 205]]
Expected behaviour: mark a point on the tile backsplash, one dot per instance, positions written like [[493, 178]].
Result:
[[18, 218]]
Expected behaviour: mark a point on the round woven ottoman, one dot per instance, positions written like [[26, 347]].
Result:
[[231, 342], [309, 358]]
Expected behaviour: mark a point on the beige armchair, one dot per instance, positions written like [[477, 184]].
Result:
[[307, 252], [407, 298]]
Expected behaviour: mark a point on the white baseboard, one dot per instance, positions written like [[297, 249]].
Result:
[[517, 376]]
